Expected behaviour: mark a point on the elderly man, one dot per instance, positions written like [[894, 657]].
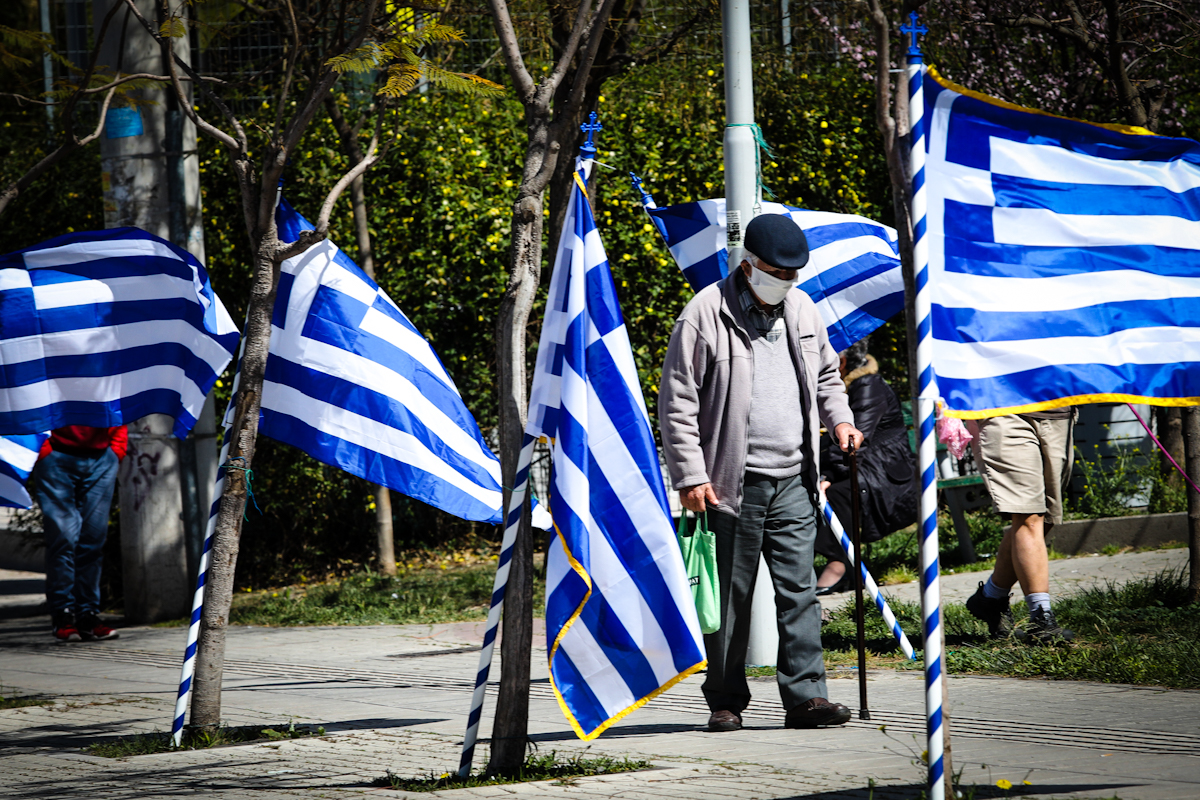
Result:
[[748, 378]]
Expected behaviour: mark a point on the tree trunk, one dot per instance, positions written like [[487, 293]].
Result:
[[210, 661], [366, 259], [1191, 437], [509, 731], [1170, 433]]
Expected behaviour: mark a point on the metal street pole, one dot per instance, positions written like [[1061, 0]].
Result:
[[741, 148], [742, 204]]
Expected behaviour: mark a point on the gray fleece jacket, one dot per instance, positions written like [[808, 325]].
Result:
[[708, 376]]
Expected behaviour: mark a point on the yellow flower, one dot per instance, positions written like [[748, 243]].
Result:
[[601, 98], [647, 227], [711, 73], [1003, 784], [824, 124]]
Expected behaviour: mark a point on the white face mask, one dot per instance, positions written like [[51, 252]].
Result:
[[770, 290]]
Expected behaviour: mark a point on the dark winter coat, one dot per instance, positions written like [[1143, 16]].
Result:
[[886, 464]]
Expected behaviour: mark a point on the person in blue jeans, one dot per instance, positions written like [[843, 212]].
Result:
[[73, 483]]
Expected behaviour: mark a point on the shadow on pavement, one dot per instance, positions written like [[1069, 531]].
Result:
[[911, 791], [624, 730], [60, 737], [376, 724], [23, 586], [140, 777]]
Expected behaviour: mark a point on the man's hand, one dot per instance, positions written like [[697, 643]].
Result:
[[847, 432], [696, 498]]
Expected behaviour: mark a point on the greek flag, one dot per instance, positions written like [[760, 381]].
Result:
[[1064, 258], [18, 455], [853, 274], [104, 327], [351, 382], [619, 612]]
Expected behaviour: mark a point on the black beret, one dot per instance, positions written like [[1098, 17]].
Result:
[[777, 240]]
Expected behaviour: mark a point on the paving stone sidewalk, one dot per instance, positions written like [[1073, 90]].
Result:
[[395, 698]]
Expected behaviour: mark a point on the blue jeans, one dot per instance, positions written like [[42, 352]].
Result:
[[75, 494]]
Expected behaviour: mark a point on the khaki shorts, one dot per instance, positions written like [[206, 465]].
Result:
[[1026, 464]]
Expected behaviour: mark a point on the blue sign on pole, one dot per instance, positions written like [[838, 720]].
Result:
[[122, 122]]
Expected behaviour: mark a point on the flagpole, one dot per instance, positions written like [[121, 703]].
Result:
[[926, 406], [648, 204], [513, 513], [187, 671], [881, 603]]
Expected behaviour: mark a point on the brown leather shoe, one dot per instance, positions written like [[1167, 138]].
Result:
[[817, 713], [721, 721]]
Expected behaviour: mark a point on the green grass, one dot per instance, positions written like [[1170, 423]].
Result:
[[451, 594], [23, 701], [536, 768], [1142, 632], [148, 743]]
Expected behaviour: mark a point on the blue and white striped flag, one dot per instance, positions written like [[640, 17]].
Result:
[[18, 455], [619, 612], [351, 382], [1064, 259], [853, 273], [104, 327]]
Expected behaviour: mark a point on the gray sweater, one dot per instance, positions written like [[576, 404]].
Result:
[[708, 376]]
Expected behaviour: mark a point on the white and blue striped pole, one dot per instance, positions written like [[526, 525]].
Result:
[[872, 588], [189, 655], [512, 523], [931, 601]]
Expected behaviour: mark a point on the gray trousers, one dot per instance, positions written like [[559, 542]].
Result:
[[778, 521]]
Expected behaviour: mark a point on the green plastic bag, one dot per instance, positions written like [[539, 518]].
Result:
[[700, 563]]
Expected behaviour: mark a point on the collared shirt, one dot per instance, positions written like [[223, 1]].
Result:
[[769, 322]]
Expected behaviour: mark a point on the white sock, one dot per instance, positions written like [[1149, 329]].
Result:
[[1038, 600], [994, 592]]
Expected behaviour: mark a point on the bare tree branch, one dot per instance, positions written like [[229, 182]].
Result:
[[512, 50], [293, 57], [239, 144], [578, 30], [372, 156]]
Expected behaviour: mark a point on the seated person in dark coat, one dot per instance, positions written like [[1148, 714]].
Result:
[[886, 467]]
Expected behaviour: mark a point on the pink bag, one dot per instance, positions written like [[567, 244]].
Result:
[[952, 433]]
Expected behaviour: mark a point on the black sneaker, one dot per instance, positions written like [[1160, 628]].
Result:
[[1043, 628], [62, 625], [995, 612], [91, 629]]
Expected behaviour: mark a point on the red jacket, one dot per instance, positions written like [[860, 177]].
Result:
[[76, 438]]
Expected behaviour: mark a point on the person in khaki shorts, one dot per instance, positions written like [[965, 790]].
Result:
[[1026, 463]]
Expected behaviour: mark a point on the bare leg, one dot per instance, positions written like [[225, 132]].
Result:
[[832, 573], [1022, 556]]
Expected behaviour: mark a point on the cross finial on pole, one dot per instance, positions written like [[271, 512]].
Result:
[[591, 128], [914, 29]]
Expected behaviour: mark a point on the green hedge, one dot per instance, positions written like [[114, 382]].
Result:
[[440, 214]]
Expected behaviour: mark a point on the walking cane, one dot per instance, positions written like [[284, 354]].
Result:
[[859, 619]]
